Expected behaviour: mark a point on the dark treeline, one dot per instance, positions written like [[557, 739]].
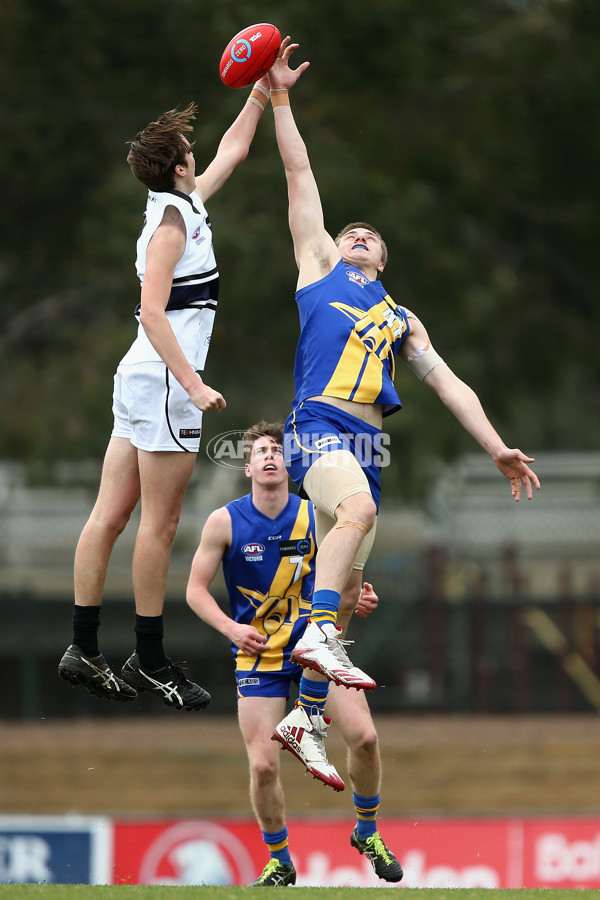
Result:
[[467, 132]]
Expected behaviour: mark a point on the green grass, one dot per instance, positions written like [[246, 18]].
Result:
[[140, 892]]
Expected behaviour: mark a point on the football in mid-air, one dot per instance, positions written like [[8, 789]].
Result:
[[249, 55]]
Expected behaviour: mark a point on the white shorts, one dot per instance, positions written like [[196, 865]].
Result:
[[153, 411]]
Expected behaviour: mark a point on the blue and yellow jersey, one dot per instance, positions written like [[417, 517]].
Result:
[[269, 573], [350, 333]]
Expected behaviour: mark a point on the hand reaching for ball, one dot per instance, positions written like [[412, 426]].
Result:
[[281, 77]]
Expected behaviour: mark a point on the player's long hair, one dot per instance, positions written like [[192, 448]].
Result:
[[155, 151], [261, 429]]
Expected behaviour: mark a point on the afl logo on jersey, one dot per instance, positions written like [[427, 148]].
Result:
[[357, 278], [253, 552], [196, 235]]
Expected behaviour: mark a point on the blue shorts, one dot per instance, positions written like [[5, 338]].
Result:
[[266, 684], [314, 428]]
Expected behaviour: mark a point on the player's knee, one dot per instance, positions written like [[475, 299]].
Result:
[[117, 526], [114, 525], [264, 771], [358, 508], [366, 741], [162, 530], [171, 530]]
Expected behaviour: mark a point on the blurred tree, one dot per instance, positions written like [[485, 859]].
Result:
[[467, 132]]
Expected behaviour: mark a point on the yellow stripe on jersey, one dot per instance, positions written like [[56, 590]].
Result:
[[359, 373], [279, 608]]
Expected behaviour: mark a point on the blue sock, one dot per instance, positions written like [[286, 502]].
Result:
[[325, 605], [312, 695], [277, 842], [366, 814]]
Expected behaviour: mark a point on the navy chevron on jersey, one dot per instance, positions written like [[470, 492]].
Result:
[[194, 292], [351, 332], [269, 573]]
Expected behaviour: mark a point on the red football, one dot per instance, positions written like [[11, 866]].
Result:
[[249, 55]]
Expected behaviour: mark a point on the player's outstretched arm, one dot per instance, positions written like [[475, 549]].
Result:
[[215, 539], [315, 250], [464, 403], [235, 143]]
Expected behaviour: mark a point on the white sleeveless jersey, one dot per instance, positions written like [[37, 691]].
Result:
[[195, 289]]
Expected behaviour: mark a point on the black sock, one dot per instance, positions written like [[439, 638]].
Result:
[[149, 642], [86, 621]]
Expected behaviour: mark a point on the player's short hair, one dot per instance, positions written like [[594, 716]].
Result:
[[155, 151], [353, 225], [261, 429]]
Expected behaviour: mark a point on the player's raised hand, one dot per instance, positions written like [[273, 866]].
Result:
[[281, 77], [367, 601], [513, 465]]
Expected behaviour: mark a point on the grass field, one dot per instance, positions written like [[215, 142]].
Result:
[[139, 892]]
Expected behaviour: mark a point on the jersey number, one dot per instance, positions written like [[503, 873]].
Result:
[[297, 561]]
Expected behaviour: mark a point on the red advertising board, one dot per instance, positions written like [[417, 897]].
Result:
[[451, 853]]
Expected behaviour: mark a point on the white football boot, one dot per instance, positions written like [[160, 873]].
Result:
[[304, 736], [320, 648]]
